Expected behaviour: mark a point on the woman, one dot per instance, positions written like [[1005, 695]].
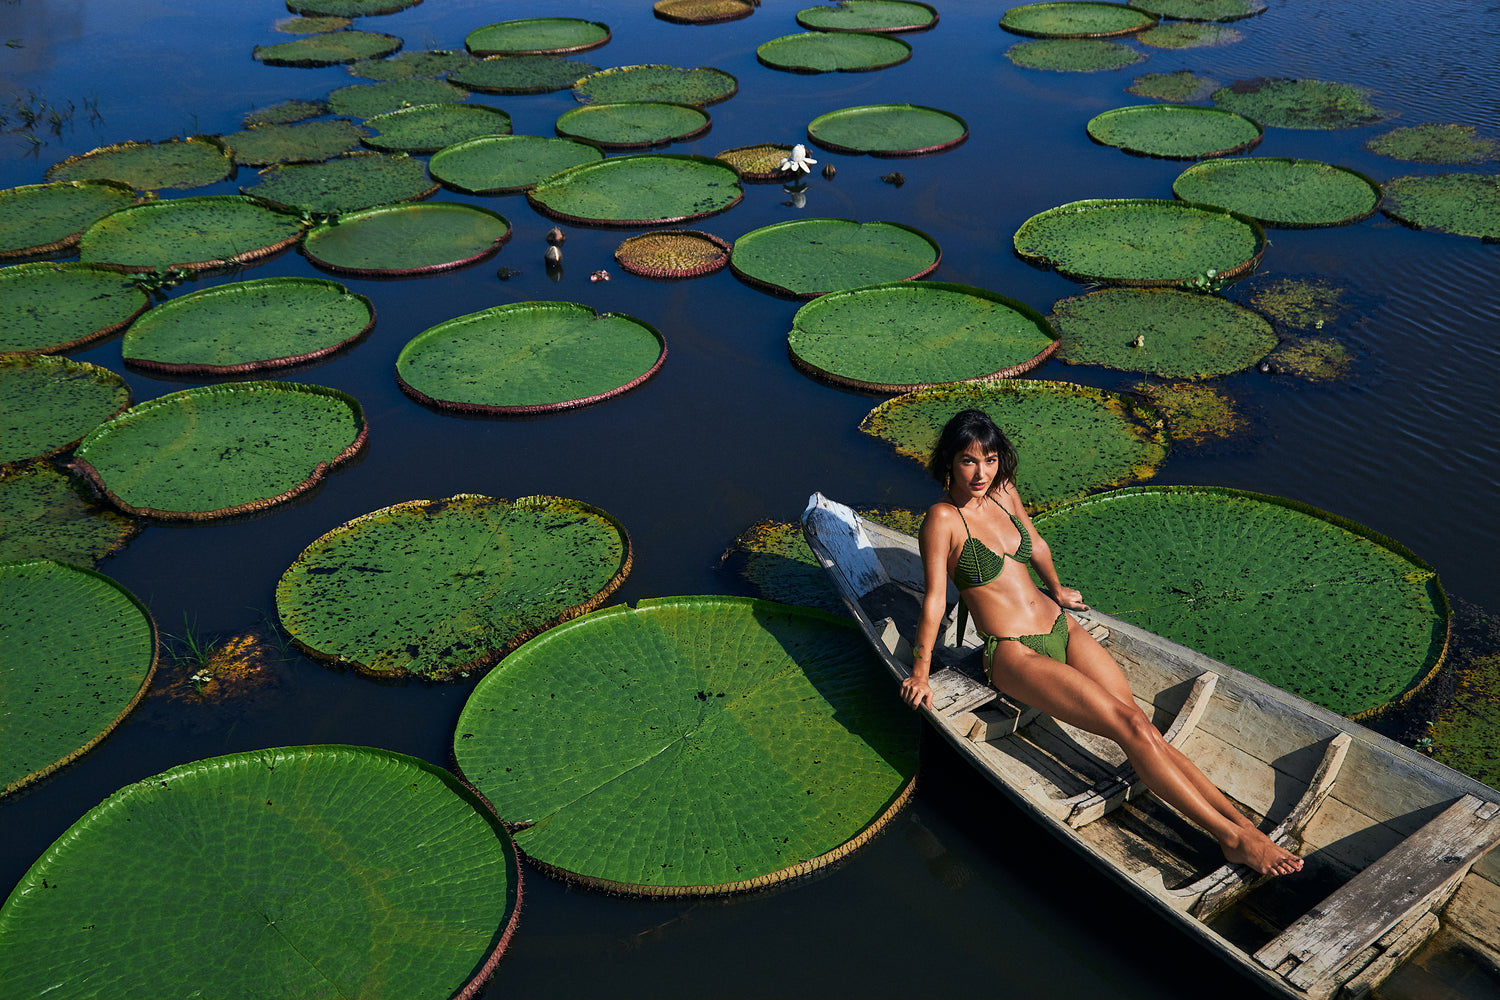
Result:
[[981, 536]]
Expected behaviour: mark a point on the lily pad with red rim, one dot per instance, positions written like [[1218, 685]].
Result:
[[830, 51], [888, 130], [49, 404], [196, 161], [304, 142], [53, 307], [1181, 334], [41, 220], [654, 82], [673, 253], [1283, 192], [643, 189], [201, 233], [331, 48], [881, 16], [1175, 131], [427, 128], [407, 239], [521, 74], [346, 183], [505, 164], [639, 125], [537, 36], [46, 514], [805, 258], [1076, 19]]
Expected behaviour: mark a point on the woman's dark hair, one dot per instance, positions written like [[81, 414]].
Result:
[[965, 429]]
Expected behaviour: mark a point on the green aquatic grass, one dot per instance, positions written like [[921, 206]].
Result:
[[1429, 143], [1462, 204], [1300, 104]]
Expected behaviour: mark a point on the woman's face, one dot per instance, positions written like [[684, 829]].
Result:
[[973, 472]]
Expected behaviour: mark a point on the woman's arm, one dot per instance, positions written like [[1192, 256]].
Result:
[[932, 539], [1041, 559]]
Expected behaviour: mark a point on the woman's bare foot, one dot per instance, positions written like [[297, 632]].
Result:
[[1255, 849]]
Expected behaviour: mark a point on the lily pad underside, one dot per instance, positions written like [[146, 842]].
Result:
[[675, 85], [507, 164], [1076, 19], [879, 16], [1463, 204], [332, 48], [1176, 132], [202, 233], [537, 36], [79, 653], [521, 74], [1141, 241], [1182, 334], [760, 162], [1071, 439], [643, 189], [830, 52], [151, 166], [906, 335], [1429, 143], [50, 308], [427, 128], [305, 142], [529, 357], [1282, 192], [703, 11], [1202, 10], [407, 239], [1315, 604], [219, 450], [442, 588], [691, 746], [45, 515], [888, 130], [48, 404], [639, 125], [1074, 55], [347, 183], [316, 871], [45, 220], [805, 258], [248, 326], [669, 254], [1300, 104]]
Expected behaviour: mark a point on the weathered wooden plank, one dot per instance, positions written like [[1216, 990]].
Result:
[[1390, 958], [1475, 909]]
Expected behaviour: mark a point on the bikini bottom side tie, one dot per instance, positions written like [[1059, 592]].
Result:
[[1053, 644]]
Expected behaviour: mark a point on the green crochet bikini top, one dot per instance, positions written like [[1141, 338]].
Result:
[[978, 564]]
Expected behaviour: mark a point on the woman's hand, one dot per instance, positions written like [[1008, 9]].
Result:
[[916, 693], [1067, 597]]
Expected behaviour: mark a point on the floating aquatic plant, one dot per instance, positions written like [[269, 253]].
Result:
[[413, 65], [1164, 331], [829, 52], [1179, 87], [150, 166], [637, 125], [348, 8], [366, 100], [307, 142], [285, 113], [193, 234], [760, 162], [1299, 304], [505, 164], [333, 48], [1279, 191], [674, 84], [805, 258], [1185, 35], [1464, 735], [1075, 19], [673, 253], [521, 74], [1202, 10], [1177, 132], [1463, 204], [1300, 104], [537, 36], [427, 128], [44, 514], [311, 25], [639, 190], [1081, 55], [48, 308], [49, 404], [881, 16], [1429, 143], [888, 130], [407, 239], [1318, 359], [703, 11], [346, 183], [43, 220], [1194, 412]]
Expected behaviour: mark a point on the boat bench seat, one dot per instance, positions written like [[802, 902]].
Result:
[[1414, 877]]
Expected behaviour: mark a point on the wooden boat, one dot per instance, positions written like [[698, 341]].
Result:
[[1400, 867]]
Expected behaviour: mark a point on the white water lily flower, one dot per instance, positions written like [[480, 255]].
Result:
[[799, 160]]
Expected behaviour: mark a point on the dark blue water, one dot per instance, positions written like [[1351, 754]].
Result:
[[728, 433]]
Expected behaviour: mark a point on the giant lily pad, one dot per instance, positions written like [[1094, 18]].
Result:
[[640, 125], [285, 113], [1202, 10], [881, 16], [673, 84], [703, 11], [57, 307], [222, 449], [1074, 55], [691, 746], [504, 164], [440, 588], [1465, 204], [1141, 241], [43, 514], [305, 142], [200, 233], [529, 357], [318, 871], [1185, 35], [907, 335], [39, 220], [1180, 87], [1182, 334], [366, 100], [1176, 132], [1298, 194], [640, 190], [1076, 19], [79, 651], [521, 74], [427, 128], [888, 130], [248, 326], [805, 258], [413, 65], [346, 184], [332, 48], [537, 36], [150, 166], [348, 8], [407, 239], [1300, 104], [48, 404], [1071, 439], [1313, 603], [1429, 143], [829, 52]]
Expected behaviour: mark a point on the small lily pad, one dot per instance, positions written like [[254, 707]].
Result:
[[1180, 87], [644, 189], [537, 36], [413, 65], [1194, 412], [829, 52], [39, 220], [1463, 204], [505, 164], [219, 450], [1457, 144], [888, 130], [529, 357], [1293, 194], [761, 162], [1202, 10], [1299, 304], [348, 8], [1175, 334], [49, 404], [1175, 132], [150, 166], [311, 25], [205, 232], [285, 113], [805, 258], [1074, 55], [248, 326], [1317, 359], [407, 239], [702, 11], [442, 588], [640, 125], [347, 183], [427, 128], [675, 85], [1076, 19], [1300, 104], [880, 16], [366, 100], [1186, 35], [44, 514], [46, 307], [521, 74], [673, 253], [333, 48], [306, 142]]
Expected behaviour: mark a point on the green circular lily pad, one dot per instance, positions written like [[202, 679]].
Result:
[[1180, 87], [505, 164], [311, 25], [529, 357], [805, 258], [413, 65], [427, 128], [347, 183], [303, 142], [47, 307], [1270, 586], [1300, 104], [48, 404], [47, 219], [150, 166], [79, 652], [248, 326], [1429, 143], [407, 239], [1175, 132], [830, 52], [1071, 439], [1182, 334], [366, 100], [537, 36], [285, 113], [640, 125], [1186, 35], [43, 514], [348, 8], [881, 16], [303, 871], [1076, 19], [906, 335], [643, 189], [441, 588], [1141, 241], [1294, 194], [703, 11], [1074, 55], [332, 48], [626, 84], [218, 450], [521, 74], [669, 254], [888, 130], [691, 746], [209, 231], [1202, 10], [1464, 204]]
